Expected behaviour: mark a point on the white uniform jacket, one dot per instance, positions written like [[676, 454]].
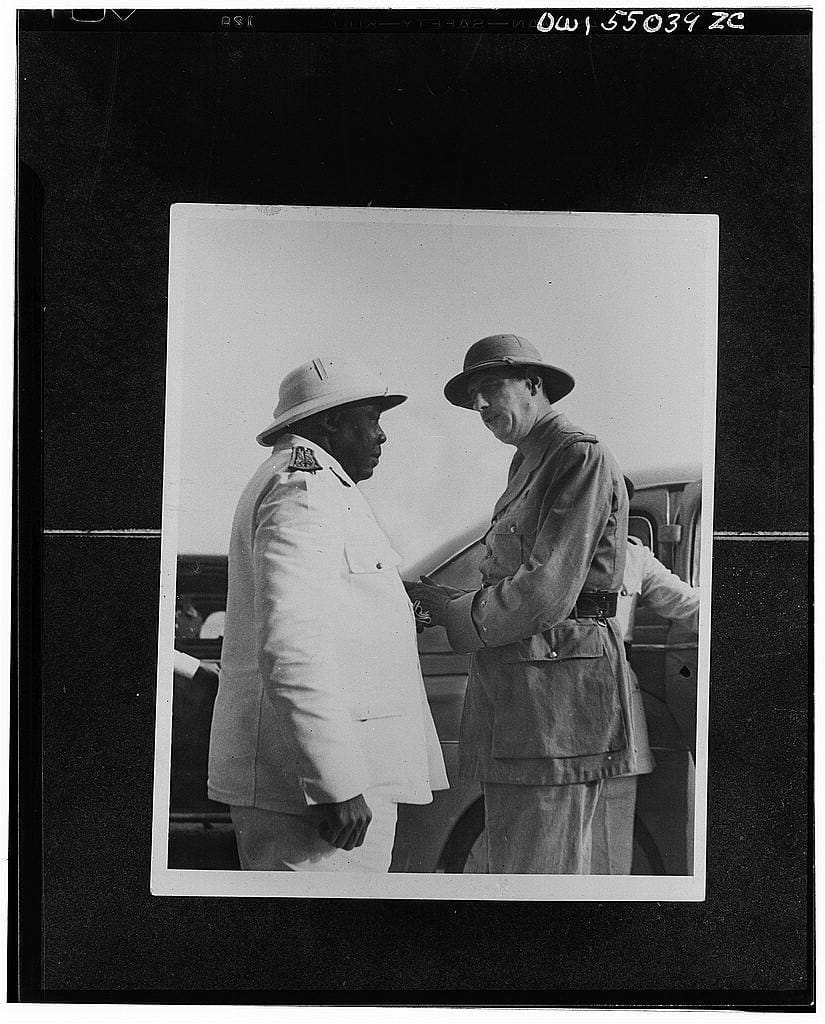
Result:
[[321, 695], [647, 582]]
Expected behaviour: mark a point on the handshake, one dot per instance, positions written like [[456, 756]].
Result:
[[429, 601]]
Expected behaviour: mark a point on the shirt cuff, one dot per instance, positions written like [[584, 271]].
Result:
[[186, 665], [461, 630]]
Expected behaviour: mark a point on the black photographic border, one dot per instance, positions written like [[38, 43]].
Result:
[[102, 165]]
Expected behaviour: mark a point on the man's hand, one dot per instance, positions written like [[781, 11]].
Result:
[[422, 618], [432, 599], [344, 824]]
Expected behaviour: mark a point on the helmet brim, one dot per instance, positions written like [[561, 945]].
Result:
[[557, 382], [288, 420]]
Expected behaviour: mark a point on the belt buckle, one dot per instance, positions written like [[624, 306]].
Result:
[[602, 603], [598, 600], [608, 602]]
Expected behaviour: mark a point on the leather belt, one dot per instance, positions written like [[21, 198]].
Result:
[[595, 604]]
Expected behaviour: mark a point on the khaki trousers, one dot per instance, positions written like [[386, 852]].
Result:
[[541, 830], [283, 841], [612, 828]]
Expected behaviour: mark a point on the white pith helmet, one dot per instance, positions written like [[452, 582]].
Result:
[[324, 384]]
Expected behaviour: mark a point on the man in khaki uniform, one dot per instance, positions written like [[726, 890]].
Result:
[[550, 710], [321, 723]]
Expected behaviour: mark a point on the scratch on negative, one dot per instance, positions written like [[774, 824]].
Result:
[[593, 72], [109, 112], [644, 176], [461, 73]]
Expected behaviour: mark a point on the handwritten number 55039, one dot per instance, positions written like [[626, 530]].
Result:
[[652, 23]]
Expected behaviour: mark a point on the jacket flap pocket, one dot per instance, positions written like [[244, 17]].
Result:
[[363, 557], [505, 527], [574, 638]]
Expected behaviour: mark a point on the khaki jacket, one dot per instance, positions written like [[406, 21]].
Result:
[[550, 699], [320, 695]]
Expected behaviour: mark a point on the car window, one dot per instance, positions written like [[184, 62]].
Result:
[[200, 605], [199, 616], [642, 528]]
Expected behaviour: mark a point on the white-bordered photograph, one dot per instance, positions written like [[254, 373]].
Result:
[[435, 575]]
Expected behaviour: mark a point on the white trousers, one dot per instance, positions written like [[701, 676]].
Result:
[[283, 841]]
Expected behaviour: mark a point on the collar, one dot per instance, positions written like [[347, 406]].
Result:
[[545, 431]]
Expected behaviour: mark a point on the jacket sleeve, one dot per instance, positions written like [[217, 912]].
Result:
[[298, 551], [574, 513], [667, 594]]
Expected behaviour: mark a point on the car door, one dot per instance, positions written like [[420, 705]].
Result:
[[664, 656]]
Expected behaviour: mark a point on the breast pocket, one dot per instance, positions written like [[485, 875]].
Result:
[[558, 696], [504, 545], [370, 558], [375, 589]]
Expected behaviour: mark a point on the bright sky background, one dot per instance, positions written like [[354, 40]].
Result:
[[626, 303]]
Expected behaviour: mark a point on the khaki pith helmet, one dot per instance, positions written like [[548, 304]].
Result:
[[507, 350]]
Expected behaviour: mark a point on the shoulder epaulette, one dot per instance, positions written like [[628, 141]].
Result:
[[577, 436], [303, 459]]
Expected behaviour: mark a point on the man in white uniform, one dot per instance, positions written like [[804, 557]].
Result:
[[321, 723]]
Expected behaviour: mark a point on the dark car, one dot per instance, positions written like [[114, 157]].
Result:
[[443, 836]]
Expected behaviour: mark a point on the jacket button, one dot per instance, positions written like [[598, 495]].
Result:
[[378, 565], [512, 529], [554, 654]]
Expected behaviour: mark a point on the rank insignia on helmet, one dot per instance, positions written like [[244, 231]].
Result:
[[304, 459]]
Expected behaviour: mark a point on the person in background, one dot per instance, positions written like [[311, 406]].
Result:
[[548, 714], [649, 584], [188, 619], [321, 723]]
